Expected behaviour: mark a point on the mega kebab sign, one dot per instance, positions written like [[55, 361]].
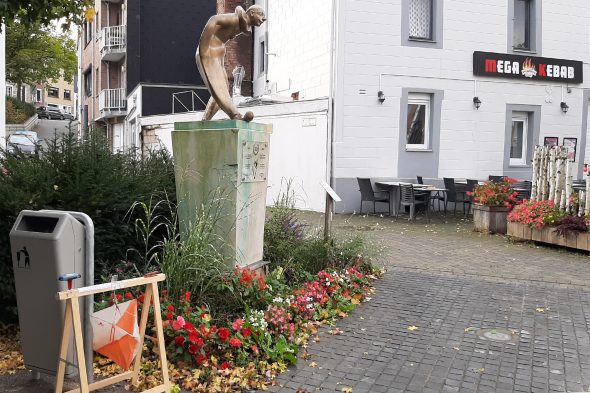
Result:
[[502, 65]]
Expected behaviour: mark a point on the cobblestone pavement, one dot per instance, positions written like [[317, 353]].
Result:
[[450, 283]]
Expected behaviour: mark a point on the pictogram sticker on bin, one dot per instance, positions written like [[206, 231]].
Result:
[[23, 260]]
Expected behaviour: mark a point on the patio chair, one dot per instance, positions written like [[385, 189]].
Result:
[[455, 196], [496, 178], [419, 178], [370, 195], [523, 189], [408, 197]]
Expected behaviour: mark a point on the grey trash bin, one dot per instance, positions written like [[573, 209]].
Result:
[[45, 244]]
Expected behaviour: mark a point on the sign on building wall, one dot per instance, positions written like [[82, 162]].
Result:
[[503, 65]]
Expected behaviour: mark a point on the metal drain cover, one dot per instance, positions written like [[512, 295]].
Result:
[[498, 335]]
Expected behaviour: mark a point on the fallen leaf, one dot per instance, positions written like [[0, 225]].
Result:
[[305, 355], [540, 309], [347, 390], [456, 348], [412, 328], [335, 332], [313, 364], [467, 330]]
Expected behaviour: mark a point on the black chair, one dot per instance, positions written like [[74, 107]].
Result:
[[456, 196], [523, 189], [370, 195], [409, 198], [496, 178], [420, 181]]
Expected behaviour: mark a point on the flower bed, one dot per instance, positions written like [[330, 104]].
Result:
[[248, 351], [493, 200], [542, 221]]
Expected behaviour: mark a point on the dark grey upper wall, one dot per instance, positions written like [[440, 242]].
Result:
[[162, 40]]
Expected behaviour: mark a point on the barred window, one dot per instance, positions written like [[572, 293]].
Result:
[[421, 19]]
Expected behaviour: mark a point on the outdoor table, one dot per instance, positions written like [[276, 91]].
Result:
[[393, 188], [432, 189]]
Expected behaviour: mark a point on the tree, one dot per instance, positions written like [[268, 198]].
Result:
[[43, 11], [36, 55]]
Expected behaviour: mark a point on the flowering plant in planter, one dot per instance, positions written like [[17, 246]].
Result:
[[495, 193], [533, 213]]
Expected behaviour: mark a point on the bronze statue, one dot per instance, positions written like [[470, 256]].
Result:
[[211, 51]]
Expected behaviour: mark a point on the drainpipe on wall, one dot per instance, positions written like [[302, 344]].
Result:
[[330, 143]]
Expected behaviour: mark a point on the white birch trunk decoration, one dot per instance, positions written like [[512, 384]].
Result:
[[559, 183], [581, 203], [535, 174], [587, 204], [568, 185], [544, 188], [552, 172], [562, 201]]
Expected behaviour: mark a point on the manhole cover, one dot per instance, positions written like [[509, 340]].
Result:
[[499, 335]]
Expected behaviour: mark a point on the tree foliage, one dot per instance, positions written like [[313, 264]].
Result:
[[36, 55], [42, 12]]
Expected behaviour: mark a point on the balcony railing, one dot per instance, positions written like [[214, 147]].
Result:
[[112, 102], [113, 43]]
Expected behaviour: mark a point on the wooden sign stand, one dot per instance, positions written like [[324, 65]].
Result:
[[72, 316]]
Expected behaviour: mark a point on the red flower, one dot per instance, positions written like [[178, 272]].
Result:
[[170, 307], [192, 348], [254, 349], [193, 337], [234, 342], [169, 315], [247, 332], [140, 298], [179, 340], [186, 297], [201, 358], [237, 325], [223, 334], [262, 283], [128, 295], [225, 365]]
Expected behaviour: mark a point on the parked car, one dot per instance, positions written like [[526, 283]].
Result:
[[68, 116], [48, 112], [25, 142]]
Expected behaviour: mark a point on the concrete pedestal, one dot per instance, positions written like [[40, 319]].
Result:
[[223, 165]]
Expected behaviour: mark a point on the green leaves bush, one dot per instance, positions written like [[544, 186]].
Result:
[[17, 112], [81, 175]]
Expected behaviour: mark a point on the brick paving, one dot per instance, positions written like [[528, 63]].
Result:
[[449, 282]]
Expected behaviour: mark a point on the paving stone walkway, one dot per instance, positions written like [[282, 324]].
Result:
[[453, 284]]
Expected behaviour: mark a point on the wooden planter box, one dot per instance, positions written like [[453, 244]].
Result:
[[580, 241], [490, 219]]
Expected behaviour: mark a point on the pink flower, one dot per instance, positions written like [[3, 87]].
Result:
[[179, 323], [237, 325]]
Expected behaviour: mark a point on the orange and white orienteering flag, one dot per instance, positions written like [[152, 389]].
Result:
[[116, 333]]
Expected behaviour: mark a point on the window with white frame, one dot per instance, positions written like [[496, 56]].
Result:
[[9, 91], [518, 138], [418, 121], [522, 24], [37, 95], [421, 19]]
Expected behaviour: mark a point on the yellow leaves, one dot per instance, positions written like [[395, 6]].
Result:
[[89, 14], [335, 332], [313, 364], [412, 328], [206, 318], [540, 309], [354, 301], [304, 355], [346, 390], [11, 358], [341, 314], [479, 370]]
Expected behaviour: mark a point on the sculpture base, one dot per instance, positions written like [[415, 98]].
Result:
[[221, 170]]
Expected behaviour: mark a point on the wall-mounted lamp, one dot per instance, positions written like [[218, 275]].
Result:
[[564, 107], [381, 96], [476, 102]]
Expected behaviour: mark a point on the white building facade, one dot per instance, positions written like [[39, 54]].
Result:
[[437, 88]]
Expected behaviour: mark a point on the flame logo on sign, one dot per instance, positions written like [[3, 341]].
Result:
[[528, 68]]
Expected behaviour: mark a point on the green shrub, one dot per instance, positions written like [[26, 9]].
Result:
[[82, 175], [301, 250], [17, 111]]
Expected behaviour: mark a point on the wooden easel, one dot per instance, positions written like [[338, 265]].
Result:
[[72, 316]]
